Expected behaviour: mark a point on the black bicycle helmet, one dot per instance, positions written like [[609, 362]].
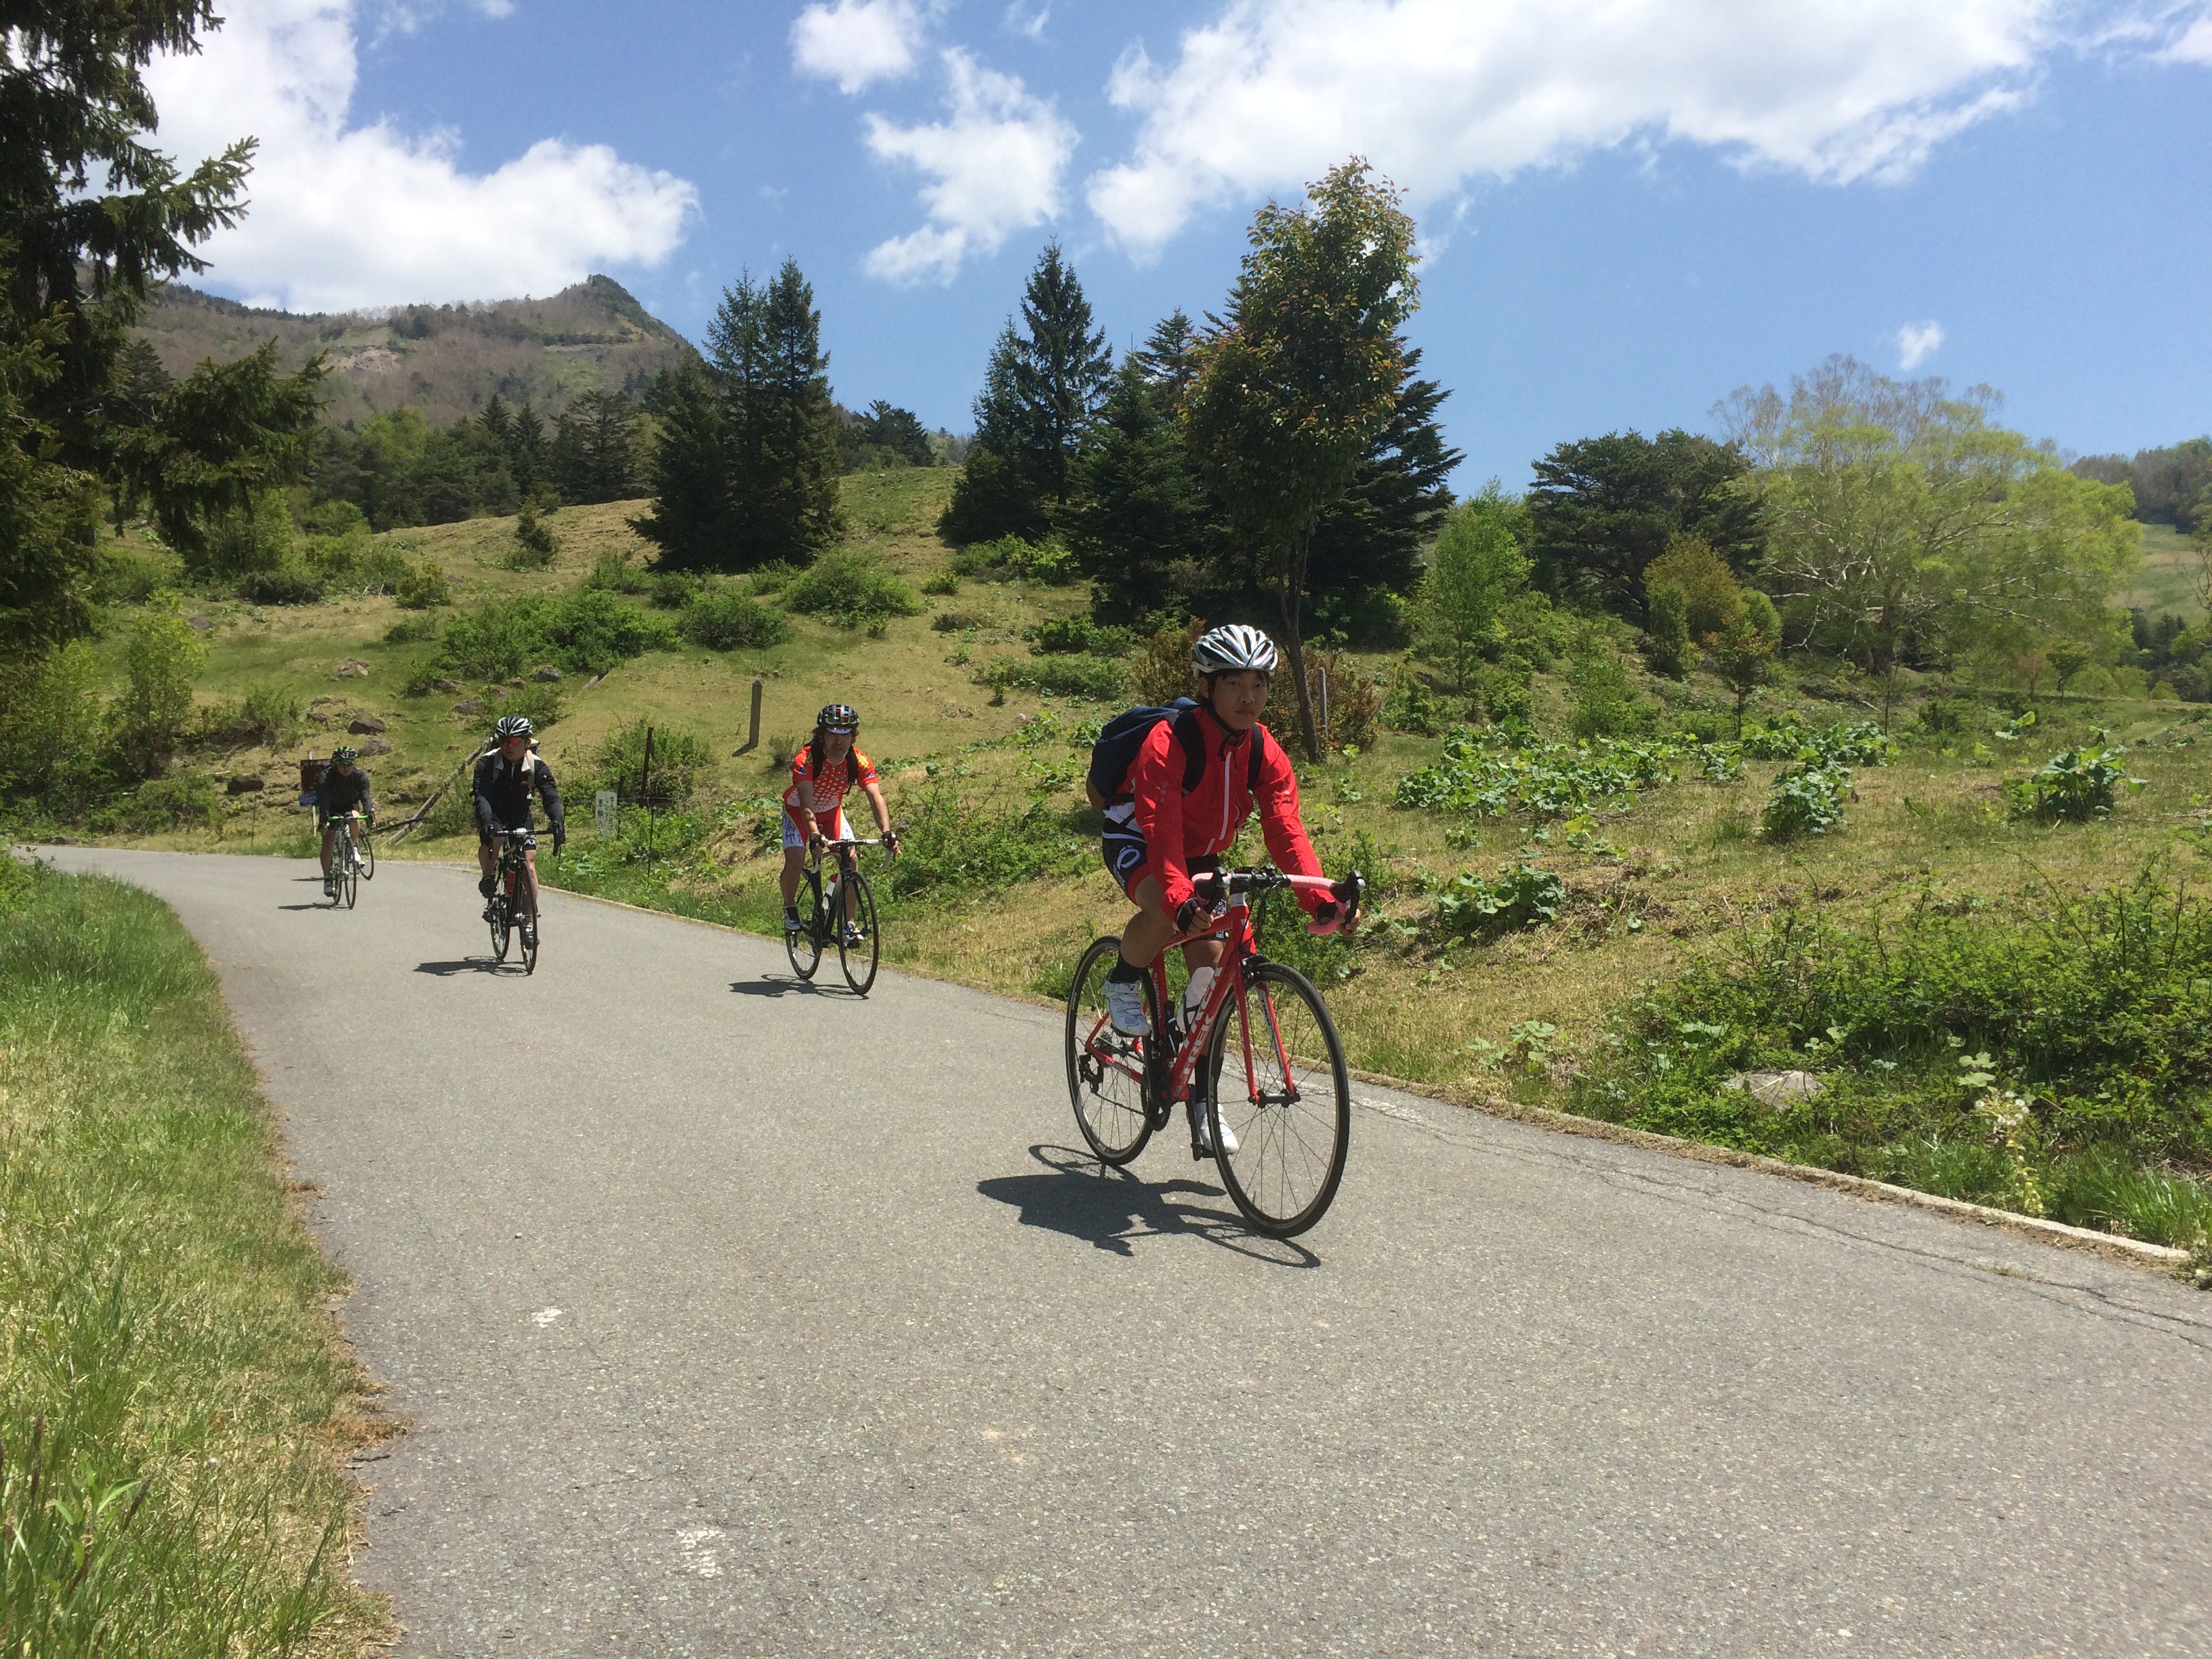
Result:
[[839, 717], [345, 755], [511, 726], [1232, 648]]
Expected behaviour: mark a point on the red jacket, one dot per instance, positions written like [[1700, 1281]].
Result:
[[1178, 827]]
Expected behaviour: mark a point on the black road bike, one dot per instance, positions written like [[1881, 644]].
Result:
[[841, 911], [512, 912], [353, 860]]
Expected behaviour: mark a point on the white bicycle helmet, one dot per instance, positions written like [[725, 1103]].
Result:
[[1232, 648]]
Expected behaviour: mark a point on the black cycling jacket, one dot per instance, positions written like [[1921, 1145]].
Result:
[[503, 790], [338, 793]]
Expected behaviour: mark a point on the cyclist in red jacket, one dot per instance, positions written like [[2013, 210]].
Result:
[[1164, 835]]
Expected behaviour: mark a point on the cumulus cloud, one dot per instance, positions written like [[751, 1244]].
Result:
[[343, 216], [1917, 343], [856, 42], [2193, 45], [1440, 92], [996, 162]]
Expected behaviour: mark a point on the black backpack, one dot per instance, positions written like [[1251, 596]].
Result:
[[1116, 751]]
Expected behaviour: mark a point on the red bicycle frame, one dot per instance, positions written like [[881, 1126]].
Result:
[[1234, 928]]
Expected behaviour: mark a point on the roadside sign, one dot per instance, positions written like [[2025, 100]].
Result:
[[603, 812]]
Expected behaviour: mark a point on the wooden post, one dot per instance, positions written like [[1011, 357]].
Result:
[[753, 732], [645, 794]]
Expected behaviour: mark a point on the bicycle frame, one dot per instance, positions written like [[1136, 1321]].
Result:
[[1234, 928], [520, 884], [833, 891]]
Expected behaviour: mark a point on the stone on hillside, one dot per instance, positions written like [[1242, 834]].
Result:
[[243, 785], [450, 687], [471, 706], [547, 675], [1779, 1089], [199, 624], [352, 668], [366, 725], [376, 746]]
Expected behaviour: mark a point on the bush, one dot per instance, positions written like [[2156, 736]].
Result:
[[1012, 558], [183, 802], [1806, 800], [2072, 788], [165, 656], [422, 586], [1522, 897], [943, 584], [267, 716], [1411, 707], [1093, 678], [287, 586], [771, 578], [535, 546], [586, 630], [1161, 669], [408, 630], [1862, 745], [538, 702], [2095, 1010], [354, 563], [1504, 769], [1606, 701], [852, 587], [680, 759], [616, 575], [672, 590], [1063, 634], [53, 731], [954, 843], [1354, 702], [722, 620]]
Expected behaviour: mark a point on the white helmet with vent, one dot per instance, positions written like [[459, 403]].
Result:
[[1232, 648]]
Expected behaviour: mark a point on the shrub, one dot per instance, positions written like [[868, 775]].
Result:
[[722, 620], [852, 587], [1521, 897], [1344, 717], [2072, 788], [164, 657], [1504, 769], [944, 585], [535, 546], [287, 586], [1862, 745], [1014, 559], [1161, 670], [183, 802], [1606, 701], [952, 622], [1064, 634], [422, 586], [267, 716], [587, 631], [1505, 691], [2095, 1010], [955, 843], [409, 629], [538, 702], [53, 731], [771, 578], [1093, 677], [615, 574], [672, 590], [1806, 800], [353, 563], [680, 759], [1411, 707]]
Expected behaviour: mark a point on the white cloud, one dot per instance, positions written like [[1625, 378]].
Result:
[[2192, 46], [1917, 343], [1439, 93], [997, 163], [855, 42], [1020, 20], [344, 216]]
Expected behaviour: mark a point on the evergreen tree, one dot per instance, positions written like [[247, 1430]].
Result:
[[1368, 543], [1040, 391], [594, 456], [1603, 508], [1137, 519], [884, 437], [90, 215], [779, 428], [689, 518]]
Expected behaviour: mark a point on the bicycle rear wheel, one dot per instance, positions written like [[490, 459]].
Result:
[[804, 944], [1106, 1071], [857, 957], [1280, 1087], [527, 930]]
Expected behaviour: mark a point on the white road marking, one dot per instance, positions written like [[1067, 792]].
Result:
[[695, 1545], [544, 1316]]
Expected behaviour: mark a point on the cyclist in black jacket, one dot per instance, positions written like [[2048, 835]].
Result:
[[344, 789], [506, 776]]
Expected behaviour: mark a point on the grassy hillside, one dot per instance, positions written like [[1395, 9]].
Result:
[[1003, 887], [445, 361], [2168, 581]]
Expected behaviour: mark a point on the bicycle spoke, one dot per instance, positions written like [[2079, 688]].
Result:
[[1106, 1083], [1285, 1098]]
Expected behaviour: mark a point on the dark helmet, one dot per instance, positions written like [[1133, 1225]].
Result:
[[344, 755], [511, 726], [1232, 648], [839, 717]]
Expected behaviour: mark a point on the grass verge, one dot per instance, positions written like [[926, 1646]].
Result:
[[175, 1401]]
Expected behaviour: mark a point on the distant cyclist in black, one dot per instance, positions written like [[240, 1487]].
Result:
[[344, 789], [509, 771]]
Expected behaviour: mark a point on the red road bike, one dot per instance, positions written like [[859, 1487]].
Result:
[[1260, 1059]]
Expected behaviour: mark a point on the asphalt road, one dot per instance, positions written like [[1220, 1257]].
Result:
[[735, 1318]]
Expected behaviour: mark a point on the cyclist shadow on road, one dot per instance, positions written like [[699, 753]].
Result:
[[1111, 1208], [465, 966], [780, 985]]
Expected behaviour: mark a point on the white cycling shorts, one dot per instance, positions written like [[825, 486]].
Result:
[[832, 828]]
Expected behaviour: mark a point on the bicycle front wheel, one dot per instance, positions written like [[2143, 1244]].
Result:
[[1106, 1081], [503, 914], [1280, 1091], [803, 944], [368, 859], [349, 883], [857, 956]]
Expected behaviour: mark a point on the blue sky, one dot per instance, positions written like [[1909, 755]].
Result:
[[1631, 208]]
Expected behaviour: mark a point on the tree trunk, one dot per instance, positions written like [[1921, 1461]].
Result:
[[1290, 589]]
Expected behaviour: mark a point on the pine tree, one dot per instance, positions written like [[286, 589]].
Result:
[[688, 518], [1040, 391], [778, 425], [1140, 523], [594, 452]]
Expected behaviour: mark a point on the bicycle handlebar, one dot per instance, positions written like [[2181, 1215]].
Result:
[[1233, 882]]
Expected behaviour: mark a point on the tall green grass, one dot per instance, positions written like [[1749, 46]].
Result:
[[174, 1401]]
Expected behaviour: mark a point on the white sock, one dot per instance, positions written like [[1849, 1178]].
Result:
[[1194, 993]]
